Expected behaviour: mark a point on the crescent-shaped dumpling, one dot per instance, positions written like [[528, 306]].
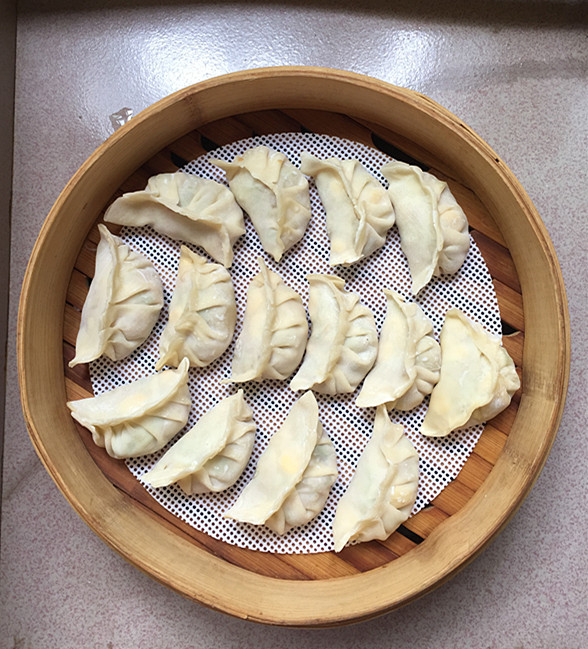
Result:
[[478, 377], [408, 361], [274, 194], [202, 313], [358, 210], [186, 208], [122, 305], [343, 342], [294, 474], [212, 454], [383, 489], [272, 341], [433, 228], [138, 418]]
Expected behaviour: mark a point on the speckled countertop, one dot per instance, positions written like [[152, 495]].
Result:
[[517, 73]]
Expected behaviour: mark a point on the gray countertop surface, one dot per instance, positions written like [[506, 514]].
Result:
[[517, 73]]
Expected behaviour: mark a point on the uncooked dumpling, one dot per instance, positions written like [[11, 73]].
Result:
[[275, 329], [274, 194], [294, 474], [122, 305], [383, 489], [478, 377], [358, 210], [408, 361], [343, 342], [186, 208], [213, 454], [138, 418], [433, 228], [202, 313]]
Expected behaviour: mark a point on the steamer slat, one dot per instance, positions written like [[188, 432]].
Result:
[[455, 495], [499, 260], [426, 521], [269, 121], [511, 305]]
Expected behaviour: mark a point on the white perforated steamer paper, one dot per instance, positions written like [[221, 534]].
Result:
[[348, 426]]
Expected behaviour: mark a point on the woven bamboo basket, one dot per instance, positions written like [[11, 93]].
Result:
[[364, 580]]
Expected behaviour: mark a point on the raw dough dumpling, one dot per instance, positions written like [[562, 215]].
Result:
[[433, 228], [274, 333], [202, 313], [358, 209], [343, 342], [294, 474], [383, 489], [213, 454], [122, 305], [275, 195], [138, 418], [186, 208], [478, 377], [408, 361]]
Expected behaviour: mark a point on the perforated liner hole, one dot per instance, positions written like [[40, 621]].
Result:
[[349, 427]]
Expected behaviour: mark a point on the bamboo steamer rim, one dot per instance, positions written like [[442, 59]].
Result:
[[156, 549]]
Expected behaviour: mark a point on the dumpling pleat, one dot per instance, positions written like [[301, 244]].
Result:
[[122, 305], [213, 453], [343, 342], [272, 341], [202, 313], [300, 445], [138, 418], [383, 489]]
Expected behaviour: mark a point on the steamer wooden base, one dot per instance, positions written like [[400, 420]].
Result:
[[317, 589]]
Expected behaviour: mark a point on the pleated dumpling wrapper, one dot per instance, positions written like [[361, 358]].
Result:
[[343, 342], [383, 489], [212, 454], [186, 208], [408, 362], [202, 313], [122, 305], [433, 228], [275, 195], [478, 377], [138, 418], [275, 329], [359, 212], [294, 474]]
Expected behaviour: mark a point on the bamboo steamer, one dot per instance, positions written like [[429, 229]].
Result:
[[362, 581]]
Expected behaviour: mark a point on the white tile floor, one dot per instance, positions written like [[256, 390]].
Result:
[[517, 73]]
